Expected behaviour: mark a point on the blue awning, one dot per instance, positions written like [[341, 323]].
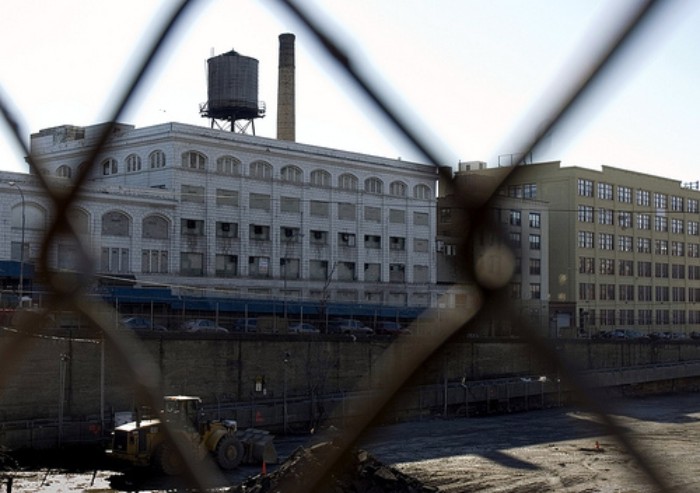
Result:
[[11, 268], [254, 306]]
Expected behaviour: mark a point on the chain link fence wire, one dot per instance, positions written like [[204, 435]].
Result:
[[66, 290]]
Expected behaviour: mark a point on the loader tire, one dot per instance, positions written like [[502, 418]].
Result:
[[229, 452], [167, 460]]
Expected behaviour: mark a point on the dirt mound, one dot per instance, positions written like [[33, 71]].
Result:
[[360, 473]]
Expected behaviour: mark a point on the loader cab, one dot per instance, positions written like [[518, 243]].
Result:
[[183, 410]]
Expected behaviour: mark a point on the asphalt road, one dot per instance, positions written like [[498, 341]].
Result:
[[555, 450]]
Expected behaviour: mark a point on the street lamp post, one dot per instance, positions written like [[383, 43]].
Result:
[[287, 356], [21, 247], [284, 266], [288, 241]]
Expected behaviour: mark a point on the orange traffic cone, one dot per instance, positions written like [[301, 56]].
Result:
[[264, 468]]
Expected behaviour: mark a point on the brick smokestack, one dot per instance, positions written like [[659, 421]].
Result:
[[285, 90]]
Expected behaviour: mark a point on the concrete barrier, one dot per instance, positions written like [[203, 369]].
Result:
[[66, 379]]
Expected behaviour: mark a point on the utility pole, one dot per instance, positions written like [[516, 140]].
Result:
[[20, 290]]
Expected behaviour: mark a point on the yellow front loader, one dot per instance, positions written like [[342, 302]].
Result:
[[143, 442]]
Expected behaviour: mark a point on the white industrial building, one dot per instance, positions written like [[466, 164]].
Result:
[[225, 214]]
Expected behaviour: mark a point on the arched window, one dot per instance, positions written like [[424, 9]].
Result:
[[64, 171], [109, 166], [261, 170], [133, 163], [291, 174], [397, 189], [374, 185], [155, 227], [156, 159], [228, 165], [320, 178], [79, 220], [34, 217], [422, 192], [194, 160], [116, 223], [347, 181]]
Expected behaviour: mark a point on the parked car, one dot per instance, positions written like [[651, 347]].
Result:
[[203, 325], [245, 325], [348, 326], [139, 323], [390, 328], [302, 328], [627, 334], [656, 336]]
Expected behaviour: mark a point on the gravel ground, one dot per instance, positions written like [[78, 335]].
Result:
[[562, 450]]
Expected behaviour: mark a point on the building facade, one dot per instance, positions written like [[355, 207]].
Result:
[[624, 246], [237, 215], [522, 225]]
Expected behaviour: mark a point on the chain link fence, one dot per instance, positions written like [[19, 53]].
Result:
[[66, 292]]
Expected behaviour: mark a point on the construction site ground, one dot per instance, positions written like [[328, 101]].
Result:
[[552, 450]]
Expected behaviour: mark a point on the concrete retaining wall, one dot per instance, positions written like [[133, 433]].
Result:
[[75, 378]]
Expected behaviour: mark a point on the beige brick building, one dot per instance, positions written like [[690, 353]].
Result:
[[624, 246], [523, 224]]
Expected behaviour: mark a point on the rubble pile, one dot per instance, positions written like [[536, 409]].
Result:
[[360, 473]]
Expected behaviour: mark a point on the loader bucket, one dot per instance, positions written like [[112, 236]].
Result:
[[263, 450], [259, 446]]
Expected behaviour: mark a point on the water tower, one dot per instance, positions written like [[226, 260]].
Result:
[[232, 93]]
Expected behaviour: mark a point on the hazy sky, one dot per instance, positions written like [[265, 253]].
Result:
[[466, 73]]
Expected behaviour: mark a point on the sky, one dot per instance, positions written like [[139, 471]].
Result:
[[472, 77]]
